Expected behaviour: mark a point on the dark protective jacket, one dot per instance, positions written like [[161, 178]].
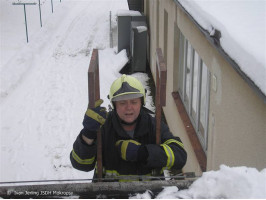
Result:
[[169, 155]]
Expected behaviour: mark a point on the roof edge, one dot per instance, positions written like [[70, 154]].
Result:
[[216, 45]]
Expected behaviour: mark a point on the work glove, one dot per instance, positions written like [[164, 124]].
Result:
[[93, 119], [131, 150]]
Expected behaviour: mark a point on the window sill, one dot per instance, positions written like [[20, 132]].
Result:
[[201, 157]]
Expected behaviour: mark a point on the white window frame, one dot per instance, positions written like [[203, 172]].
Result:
[[201, 129]]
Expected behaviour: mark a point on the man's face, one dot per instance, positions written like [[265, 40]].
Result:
[[128, 110]]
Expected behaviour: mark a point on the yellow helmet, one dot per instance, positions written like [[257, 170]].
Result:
[[126, 87]]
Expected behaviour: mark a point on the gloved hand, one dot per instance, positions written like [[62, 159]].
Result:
[[128, 149], [93, 119]]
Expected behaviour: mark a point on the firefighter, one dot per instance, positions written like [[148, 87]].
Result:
[[128, 137]]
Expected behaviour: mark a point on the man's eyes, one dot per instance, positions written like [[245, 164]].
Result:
[[131, 102]]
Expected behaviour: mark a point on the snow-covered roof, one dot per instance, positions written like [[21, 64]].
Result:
[[242, 24]]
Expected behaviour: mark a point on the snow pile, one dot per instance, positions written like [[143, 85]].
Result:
[[228, 183], [243, 31], [235, 182]]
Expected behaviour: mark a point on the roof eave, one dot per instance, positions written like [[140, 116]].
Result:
[[217, 46]]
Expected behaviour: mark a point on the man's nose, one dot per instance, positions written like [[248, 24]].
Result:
[[128, 105]]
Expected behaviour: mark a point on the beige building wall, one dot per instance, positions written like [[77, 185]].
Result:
[[237, 115], [174, 121]]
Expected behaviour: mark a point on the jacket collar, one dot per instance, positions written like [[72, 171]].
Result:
[[141, 127]]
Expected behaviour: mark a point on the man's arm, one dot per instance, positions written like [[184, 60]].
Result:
[[170, 154], [83, 155]]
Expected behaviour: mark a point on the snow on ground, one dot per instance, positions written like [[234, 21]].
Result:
[[44, 94], [44, 84]]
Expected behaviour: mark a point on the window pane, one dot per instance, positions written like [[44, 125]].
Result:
[[188, 71], [195, 85], [181, 63], [203, 102]]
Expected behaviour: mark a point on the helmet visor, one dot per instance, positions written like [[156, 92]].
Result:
[[127, 97]]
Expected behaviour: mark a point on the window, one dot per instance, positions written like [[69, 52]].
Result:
[[193, 87], [195, 84], [188, 60]]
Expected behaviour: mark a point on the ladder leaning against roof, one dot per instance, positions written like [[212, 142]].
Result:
[[94, 95]]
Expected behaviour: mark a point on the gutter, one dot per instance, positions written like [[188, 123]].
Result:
[[214, 40]]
